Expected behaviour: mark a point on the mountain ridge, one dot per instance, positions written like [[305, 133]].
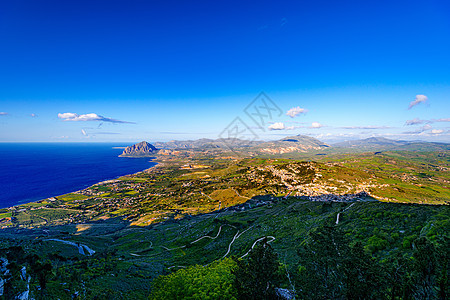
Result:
[[381, 143]]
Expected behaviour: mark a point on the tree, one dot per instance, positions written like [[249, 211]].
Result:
[[320, 273], [396, 269], [331, 269], [197, 282], [363, 276], [14, 283], [425, 269], [257, 276], [443, 250]]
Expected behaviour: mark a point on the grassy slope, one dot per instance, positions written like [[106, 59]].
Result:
[[128, 257], [141, 253]]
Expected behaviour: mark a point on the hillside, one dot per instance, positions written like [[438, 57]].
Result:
[[112, 239], [127, 259], [296, 147], [298, 143]]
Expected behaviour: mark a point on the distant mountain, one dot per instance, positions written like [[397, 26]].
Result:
[[373, 141], [424, 146], [380, 143], [297, 143], [141, 149], [206, 144]]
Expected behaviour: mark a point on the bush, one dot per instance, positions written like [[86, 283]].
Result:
[[376, 243], [197, 282]]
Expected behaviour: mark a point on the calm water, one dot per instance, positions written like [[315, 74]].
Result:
[[34, 171]]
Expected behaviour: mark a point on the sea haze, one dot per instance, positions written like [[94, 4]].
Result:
[[35, 171]]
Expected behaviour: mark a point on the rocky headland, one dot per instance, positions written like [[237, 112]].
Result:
[[142, 149]]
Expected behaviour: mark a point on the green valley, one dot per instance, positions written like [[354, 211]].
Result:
[[201, 209]]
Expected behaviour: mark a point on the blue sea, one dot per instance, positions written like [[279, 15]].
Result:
[[35, 171]]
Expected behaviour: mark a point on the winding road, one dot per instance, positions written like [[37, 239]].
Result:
[[81, 248], [338, 215], [240, 195], [167, 249], [236, 236], [254, 244], [209, 237]]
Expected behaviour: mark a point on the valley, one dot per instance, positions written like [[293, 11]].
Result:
[[201, 207]]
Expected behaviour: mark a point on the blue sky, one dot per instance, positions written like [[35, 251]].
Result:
[[127, 71]]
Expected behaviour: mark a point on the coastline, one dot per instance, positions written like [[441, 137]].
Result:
[[37, 213], [115, 179]]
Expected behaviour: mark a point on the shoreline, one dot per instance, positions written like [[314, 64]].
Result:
[[114, 179], [97, 183]]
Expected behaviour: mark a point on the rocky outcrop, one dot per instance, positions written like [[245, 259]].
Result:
[[141, 149]]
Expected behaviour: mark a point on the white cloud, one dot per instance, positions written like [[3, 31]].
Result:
[[316, 125], [2, 113], [419, 121], [417, 100], [415, 121], [420, 131], [293, 112], [426, 127], [76, 117], [277, 126], [437, 131], [88, 117]]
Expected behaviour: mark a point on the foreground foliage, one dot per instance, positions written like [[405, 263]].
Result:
[[197, 282], [257, 276]]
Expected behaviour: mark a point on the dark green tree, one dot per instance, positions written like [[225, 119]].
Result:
[[14, 283], [43, 272], [396, 270], [443, 249], [425, 270], [321, 270], [363, 275], [256, 277], [331, 269]]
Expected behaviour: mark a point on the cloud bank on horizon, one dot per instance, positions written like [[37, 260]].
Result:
[[88, 117], [417, 121], [369, 127]]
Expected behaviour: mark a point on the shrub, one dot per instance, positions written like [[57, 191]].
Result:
[[197, 282]]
